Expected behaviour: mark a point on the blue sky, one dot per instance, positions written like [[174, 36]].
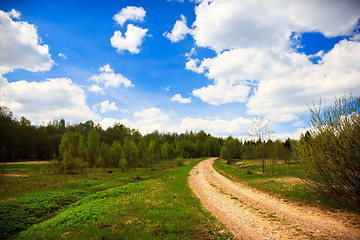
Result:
[[174, 66]]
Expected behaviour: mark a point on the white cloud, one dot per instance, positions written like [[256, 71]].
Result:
[[193, 65], [285, 96], [179, 31], [106, 106], [20, 45], [255, 55], [151, 119], [131, 41], [226, 24], [96, 88], [62, 55], [45, 101], [180, 99], [218, 127], [108, 122], [14, 14], [130, 13], [109, 78], [222, 92]]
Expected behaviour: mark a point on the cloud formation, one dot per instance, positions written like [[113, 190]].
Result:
[[48, 100], [106, 106], [20, 45], [136, 14], [179, 31], [257, 62], [131, 40], [108, 78], [180, 99]]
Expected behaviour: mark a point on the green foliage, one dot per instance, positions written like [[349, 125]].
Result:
[[21, 214], [330, 152]]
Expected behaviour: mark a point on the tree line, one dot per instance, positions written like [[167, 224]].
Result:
[[89, 145]]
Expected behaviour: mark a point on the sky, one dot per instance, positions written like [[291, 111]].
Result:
[[177, 66]]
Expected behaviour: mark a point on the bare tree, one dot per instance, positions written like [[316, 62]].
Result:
[[261, 130]]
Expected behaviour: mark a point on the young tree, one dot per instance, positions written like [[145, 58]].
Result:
[[93, 147], [262, 130], [330, 152]]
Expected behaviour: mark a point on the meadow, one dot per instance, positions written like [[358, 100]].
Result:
[[103, 204]]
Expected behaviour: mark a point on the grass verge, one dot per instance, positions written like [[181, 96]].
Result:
[[287, 181]]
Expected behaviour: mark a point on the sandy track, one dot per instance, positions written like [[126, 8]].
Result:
[[250, 214]]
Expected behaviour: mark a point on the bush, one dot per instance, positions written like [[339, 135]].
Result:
[[330, 152]]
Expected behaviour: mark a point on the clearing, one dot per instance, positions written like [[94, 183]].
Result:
[[250, 214]]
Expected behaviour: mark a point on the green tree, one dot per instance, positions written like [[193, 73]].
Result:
[[330, 152], [225, 154], [165, 151], [93, 147], [115, 154]]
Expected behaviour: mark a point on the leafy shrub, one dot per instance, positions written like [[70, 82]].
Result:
[[330, 152]]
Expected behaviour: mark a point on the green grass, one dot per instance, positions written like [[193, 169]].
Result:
[[104, 204], [283, 180]]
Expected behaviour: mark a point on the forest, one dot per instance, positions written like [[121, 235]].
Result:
[[87, 144]]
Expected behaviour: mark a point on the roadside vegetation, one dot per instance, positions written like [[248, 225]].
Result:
[[323, 167], [104, 204]]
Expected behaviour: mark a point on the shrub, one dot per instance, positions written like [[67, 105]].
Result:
[[330, 152]]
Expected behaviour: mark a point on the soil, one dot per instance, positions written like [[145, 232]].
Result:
[[25, 163], [250, 214]]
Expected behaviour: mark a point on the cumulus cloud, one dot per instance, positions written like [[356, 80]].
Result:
[[106, 106], [179, 31], [96, 88], [130, 13], [20, 45], [257, 61], [45, 101], [108, 78], [222, 92], [282, 97], [150, 119], [226, 24], [131, 41], [180, 99]]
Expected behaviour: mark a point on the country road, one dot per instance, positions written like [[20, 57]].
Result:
[[250, 214]]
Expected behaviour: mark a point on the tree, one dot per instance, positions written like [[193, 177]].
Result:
[[93, 147], [165, 151], [262, 130], [115, 154], [330, 151], [225, 154]]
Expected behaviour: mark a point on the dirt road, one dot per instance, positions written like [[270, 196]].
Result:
[[250, 214]]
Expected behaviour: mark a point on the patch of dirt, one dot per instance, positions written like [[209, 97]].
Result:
[[15, 175], [250, 214], [25, 163], [7, 200]]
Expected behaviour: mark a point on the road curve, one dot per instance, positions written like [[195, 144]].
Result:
[[250, 214]]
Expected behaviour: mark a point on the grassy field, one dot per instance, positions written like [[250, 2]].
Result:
[[287, 181], [103, 204]]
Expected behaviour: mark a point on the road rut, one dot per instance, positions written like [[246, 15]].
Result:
[[250, 214]]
